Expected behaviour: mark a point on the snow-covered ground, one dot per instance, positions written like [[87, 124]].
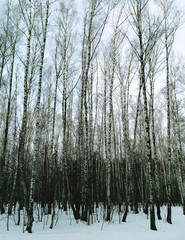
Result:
[[136, 228]]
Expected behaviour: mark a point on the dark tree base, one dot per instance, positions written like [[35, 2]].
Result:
[[169, 220], [152, 218], [153, 227], [169, 215], [145, 210], [29, 229], [108, 214], [184, 209], [2, 210], [158, 212], [125, 214]]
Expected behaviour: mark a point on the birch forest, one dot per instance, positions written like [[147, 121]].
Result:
[[91, 109]]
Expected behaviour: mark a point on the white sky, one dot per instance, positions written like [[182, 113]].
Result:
[[179, 44]]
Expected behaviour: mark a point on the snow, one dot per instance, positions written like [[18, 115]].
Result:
[[136, 228]]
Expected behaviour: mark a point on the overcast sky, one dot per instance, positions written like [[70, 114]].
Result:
[[179, 44]]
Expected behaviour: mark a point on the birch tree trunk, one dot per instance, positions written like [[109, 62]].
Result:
[[137, 9], [37, 132], [177, 140], [155, 161], [22, 136], [171, 24], [125, 122], [110, 126]]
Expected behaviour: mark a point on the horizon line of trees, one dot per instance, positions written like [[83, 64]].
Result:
[[80, 121]]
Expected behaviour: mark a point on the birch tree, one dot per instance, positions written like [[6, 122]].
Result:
[[29, 20], [170, 28], [91, 38], [138, 10], [37, 132]]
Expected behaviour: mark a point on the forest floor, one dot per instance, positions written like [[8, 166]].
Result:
[[136, 228]]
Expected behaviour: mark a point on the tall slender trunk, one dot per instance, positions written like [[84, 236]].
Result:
[[146, 119], [23, 131], [155, 161], [169, 218], [110, 126], [14, 150], [37, 130], [125, 122], [178, 146]]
